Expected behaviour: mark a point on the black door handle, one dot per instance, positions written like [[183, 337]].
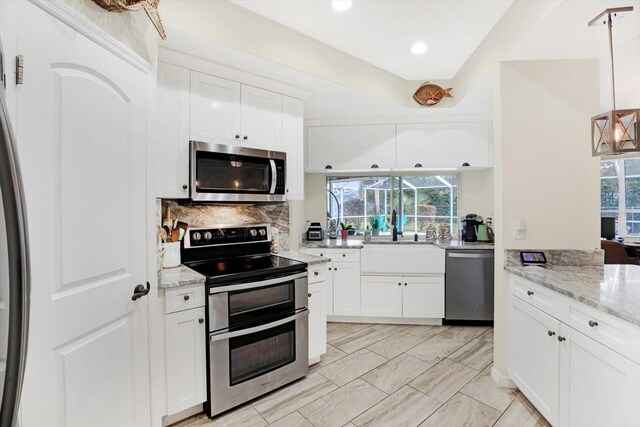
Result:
[[140, 291]]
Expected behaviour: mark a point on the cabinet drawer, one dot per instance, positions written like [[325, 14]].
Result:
[[183, 298], [620, 336], [317, 273], [536, 295], [337, 255]]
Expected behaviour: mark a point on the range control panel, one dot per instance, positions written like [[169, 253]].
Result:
[[227, 235]]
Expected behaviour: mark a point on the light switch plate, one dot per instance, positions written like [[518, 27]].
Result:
[[519, 230]]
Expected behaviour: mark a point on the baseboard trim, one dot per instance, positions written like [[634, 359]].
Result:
[[502, 381], [384, 320], [174, 418]]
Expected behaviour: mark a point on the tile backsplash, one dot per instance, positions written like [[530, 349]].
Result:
[[202, 215]]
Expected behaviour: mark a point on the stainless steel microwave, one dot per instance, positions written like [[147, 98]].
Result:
[[228, 173]]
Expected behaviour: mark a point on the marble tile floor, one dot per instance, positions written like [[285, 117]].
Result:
[[391, 375]]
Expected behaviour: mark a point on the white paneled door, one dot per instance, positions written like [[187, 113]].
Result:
[[81, 130]]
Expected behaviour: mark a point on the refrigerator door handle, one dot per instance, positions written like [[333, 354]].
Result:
[[19, 271]]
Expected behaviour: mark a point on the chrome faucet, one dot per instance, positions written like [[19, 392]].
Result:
[[394, 220]]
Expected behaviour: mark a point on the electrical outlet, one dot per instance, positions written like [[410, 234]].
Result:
[[519, 230]]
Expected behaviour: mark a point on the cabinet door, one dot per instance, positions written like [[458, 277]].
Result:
[[534, 356], [186, 364], [351, 147], [439, 145], [215, 109], [261, 114], [346, 289], [598, 387], [317, 322], [423, 297], [381, 296], [172, 132], [293, 145]]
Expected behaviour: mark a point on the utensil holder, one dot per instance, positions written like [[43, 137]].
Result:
[[170, 254]]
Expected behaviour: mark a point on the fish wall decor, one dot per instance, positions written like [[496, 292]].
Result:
[[429, 94]]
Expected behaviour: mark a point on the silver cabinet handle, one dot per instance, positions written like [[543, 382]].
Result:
[[248, 331], [593, 324], [551, 333]]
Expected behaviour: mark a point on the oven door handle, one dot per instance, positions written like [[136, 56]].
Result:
[[252, 285], [247, 331]]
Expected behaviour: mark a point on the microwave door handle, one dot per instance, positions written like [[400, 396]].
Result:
[[228, 335], [274, 176]]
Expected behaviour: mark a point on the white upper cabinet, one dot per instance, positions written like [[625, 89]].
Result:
[[215, 109], [261, 119], [351, 147], [172, 132], [443, 145], [292, 144]]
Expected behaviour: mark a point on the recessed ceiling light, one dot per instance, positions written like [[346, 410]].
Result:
[[341, 5], [418, 48]]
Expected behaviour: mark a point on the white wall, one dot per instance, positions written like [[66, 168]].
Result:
[[544, 172], [627, 69]]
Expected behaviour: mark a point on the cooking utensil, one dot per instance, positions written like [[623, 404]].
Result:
[[175, 235]]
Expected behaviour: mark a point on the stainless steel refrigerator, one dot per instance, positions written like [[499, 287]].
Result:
[[14, 267]]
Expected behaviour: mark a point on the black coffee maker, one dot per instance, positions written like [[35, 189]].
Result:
[[470, 225]]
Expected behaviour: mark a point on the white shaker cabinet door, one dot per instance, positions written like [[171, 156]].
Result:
[[598, 387], [172, 132], [351, 147], [443, 145], [261, 114], [293, 145], [423, 297], [346, 288], [186, 364], [381, 296], [534, 356], [317, 322], [215, 109]]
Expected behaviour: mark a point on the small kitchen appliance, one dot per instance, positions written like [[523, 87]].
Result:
[[314, 232], [470, 225], [229, 173], [257, 317]]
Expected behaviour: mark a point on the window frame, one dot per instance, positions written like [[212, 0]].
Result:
[[622, 210]]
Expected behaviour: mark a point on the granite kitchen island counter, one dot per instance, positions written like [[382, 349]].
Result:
[[614, 289], [332, 244]]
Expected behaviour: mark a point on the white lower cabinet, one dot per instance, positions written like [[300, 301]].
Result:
[[317, 322], [346, 288], [572, 379], [381, 296], [534, 356], [598, 387], [398, 296], [186, 359]]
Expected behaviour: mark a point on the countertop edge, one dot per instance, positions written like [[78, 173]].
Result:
[[547, 283], [179, 276]]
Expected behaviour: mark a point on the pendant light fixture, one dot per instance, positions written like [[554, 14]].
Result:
[[615, 131]]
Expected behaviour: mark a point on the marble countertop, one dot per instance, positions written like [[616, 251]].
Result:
[[333, 243], [309, 259], [179, 276], [614, 289], [357, 243]]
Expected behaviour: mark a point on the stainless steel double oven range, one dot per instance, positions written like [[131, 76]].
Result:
[[257, 312]]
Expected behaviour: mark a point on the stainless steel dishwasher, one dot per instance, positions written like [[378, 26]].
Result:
[[469, 286]]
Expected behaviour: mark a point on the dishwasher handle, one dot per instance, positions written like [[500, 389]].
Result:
[[476, 256]]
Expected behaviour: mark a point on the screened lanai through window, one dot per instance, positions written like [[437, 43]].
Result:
[[419, 201]]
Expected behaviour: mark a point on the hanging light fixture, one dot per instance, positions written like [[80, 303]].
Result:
[[615, 131]]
